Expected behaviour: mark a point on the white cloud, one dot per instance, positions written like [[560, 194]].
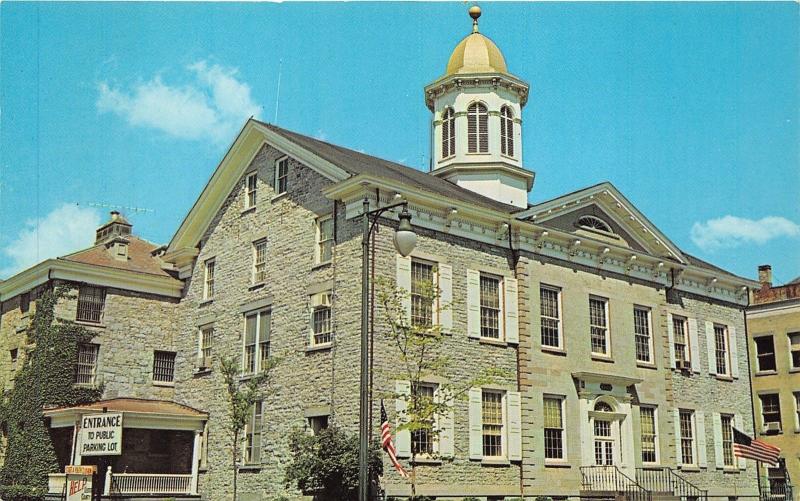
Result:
[[731, 231], [65, 229], [214, 106]]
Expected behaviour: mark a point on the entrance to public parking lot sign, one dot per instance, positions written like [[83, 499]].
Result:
[[101, 435]]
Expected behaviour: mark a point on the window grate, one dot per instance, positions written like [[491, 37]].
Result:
[[86, 365], [91, 302], [164, 366], [490, 307], [492, 407], [550, 318], [641, 326]]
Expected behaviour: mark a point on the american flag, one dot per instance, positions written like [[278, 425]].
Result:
[[750, 448], [386, 442]]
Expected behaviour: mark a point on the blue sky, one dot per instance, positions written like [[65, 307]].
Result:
[[691, 109]]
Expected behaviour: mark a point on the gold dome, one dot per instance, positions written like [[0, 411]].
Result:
[[476, 53]]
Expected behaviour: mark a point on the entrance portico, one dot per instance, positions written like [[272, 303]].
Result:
[[161, 447]]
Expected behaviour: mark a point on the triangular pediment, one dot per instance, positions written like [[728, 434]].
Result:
[[602, 213]]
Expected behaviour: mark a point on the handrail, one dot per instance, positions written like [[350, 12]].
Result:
[[610, 478], [666, 480]]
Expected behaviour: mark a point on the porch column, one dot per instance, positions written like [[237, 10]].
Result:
[[76, 447], [198, 439]]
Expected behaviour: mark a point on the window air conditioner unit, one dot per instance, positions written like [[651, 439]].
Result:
[[683, 365], [772, 427]]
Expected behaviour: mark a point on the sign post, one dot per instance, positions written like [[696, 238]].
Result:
[[79, 482], [101, 435]]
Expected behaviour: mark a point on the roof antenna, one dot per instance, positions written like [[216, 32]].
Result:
[[278, 93]]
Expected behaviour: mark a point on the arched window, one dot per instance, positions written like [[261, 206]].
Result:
[[448, 133], [506, 131], [477, 128], [603, 407], [594, 223]]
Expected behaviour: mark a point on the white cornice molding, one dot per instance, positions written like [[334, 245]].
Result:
[[59, 269], [458, 81]]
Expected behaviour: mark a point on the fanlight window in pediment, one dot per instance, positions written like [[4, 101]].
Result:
[[603, 407], [594, 223]]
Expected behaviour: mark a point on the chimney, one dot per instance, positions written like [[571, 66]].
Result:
[[765, 275]]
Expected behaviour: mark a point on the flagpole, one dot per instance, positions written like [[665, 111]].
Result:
[[750, 381]]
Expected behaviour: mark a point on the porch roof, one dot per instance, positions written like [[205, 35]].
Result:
[[137, 413]]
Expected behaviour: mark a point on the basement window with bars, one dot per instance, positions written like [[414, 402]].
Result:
[[641, 328], [91, 302], [163, 366], [477, 128], [86, 364], [648, 429], [490, 306], [598, 319], [550, 310], [492, 412]]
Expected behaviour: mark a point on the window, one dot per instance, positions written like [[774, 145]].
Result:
[[680, 340], [317, 424], [490, 307], [422, 293], [206, 342], [324, 250], [321, 319], [598, 315], [797, 410], [260, 261], [726, 422], [648, 428], [208, 280], [163, 366], [24, 302], [256, 342], [506, 131], [765, 353], [281, 175], [641, 328], [14, 357], [770, 408], [603, 443], [252, 435], [86, 365], [477, 128], [91, 301], [687, 436], [492, 408], [422, 439], [448, 133], [594, 223], [794, 349], [553, 427], [252, 186], [550, 304], [721, 348]]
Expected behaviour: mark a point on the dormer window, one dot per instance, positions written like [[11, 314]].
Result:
[[594, 223], [448, 133], [506, 131], [477, 128]]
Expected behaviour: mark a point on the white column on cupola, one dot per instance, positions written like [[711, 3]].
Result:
[[476, 73]]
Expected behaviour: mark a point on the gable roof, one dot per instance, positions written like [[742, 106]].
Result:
[[355, 163], [140, 257]]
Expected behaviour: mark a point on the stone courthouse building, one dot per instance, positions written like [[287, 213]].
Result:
[[626, 357]]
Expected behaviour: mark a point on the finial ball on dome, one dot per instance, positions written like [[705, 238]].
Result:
[[475, 12]]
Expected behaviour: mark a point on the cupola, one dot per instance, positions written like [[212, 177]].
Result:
[[477, 121], [115, 236]]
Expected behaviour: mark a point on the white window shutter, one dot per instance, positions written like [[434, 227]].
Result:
[[712, 359], [446, 426], [404, 282], [737, 419], [694, 345], [718, 451], [473, 303], [475, 424], [700, 427], [671, 337], [446, 297], [514, 413], [677, 418], [511, 307], [734, 351], [403, 437]]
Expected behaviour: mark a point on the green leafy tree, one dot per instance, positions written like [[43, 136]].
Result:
[[46, 379], [421, 357], [326, 464], [242, 395]]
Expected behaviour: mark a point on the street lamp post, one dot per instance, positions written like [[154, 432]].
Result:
[[404, 241]]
